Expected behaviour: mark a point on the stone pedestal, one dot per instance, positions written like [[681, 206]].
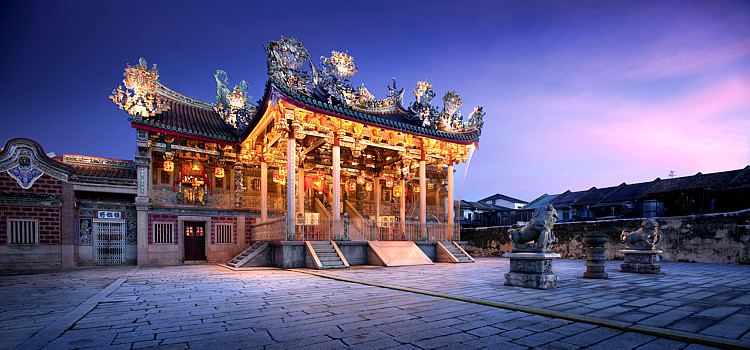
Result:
[[531, 270], [595, 261], [640, 261]]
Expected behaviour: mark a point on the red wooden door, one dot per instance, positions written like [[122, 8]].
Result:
[[195, 240]]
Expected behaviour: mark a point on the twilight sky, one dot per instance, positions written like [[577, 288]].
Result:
[[577, 93]]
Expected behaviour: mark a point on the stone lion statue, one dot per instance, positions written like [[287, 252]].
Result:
[[646, 237], [538, 229]]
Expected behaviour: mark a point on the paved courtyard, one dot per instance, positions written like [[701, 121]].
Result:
[[464, 306]]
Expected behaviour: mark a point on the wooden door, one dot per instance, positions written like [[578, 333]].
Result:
[[195, 240]]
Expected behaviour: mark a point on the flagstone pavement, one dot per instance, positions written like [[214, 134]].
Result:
[[212, 307]]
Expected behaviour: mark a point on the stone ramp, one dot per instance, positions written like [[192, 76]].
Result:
[[396, 253], [451, 252]]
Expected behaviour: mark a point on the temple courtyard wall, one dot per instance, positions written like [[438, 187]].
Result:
[[712, 238]]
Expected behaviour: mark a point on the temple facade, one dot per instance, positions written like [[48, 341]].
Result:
[[316, 160]]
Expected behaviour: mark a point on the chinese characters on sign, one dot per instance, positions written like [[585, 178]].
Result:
[[109, 215]]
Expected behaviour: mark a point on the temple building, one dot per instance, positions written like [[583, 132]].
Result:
[[318, 174]]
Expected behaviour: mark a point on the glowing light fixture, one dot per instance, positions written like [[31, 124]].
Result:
[[168, 166], [219, 173], [397, 191], [351, 186], [389, 182], [361, 179], [368, 187]]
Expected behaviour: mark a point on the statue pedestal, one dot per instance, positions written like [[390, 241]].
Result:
[[595, 260], [531, 270], [640, 261]]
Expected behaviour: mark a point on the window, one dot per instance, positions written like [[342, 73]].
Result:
[[223, 233], [23, 231], [163, 232]]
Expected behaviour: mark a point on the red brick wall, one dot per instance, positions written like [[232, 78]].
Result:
[[249, 222], [49, 216], [43, 185], [223, 220], [162, 218]]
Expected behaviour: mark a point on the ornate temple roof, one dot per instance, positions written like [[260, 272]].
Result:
[[188, 117], [324, 89]]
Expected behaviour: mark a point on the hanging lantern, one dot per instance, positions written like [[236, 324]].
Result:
[[416, 189], [389, 182], [276, 177], [368, 187], [464, 158], [168, 166], [351, 186], [361, 179], [219, 173], [397, 191]]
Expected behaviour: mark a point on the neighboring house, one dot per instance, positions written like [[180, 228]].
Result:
[[475, 214], [64, 211], [697, 194], [504, 201]]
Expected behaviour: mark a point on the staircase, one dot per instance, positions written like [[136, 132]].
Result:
[[324, 255], [452, 252], [249, 253]]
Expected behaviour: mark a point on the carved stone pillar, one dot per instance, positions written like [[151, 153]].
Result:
[[263, 191], [142, 200], [239, 186]]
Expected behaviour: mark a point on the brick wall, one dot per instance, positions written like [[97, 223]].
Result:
[[49, 216], [249, 222], [162, 218], [711, 238]]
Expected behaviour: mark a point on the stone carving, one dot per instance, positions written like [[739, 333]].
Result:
[[646, 237], [539, 230]]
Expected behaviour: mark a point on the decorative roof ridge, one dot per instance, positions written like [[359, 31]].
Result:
[[97, 161], [372, 118], [161, 89]]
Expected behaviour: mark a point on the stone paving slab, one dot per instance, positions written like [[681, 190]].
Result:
[[210, 307]]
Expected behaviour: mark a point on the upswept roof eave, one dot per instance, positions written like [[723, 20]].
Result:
[[352, 115]]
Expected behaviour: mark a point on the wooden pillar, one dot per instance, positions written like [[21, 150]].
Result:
[[423, 197], [301, 189], [402, 205], [336, 179], [291, 174], [449, 199], [377, 197], [263, 191]]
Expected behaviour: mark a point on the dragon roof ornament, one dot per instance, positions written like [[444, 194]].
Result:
[[330, 83], [232, 105], [139, 98]]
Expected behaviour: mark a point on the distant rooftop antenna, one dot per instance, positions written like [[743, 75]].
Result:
[[671, 173]]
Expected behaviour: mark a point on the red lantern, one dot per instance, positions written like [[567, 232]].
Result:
[[368, 187], [219, 173], [389, 182], [168, 166], [397, 191]]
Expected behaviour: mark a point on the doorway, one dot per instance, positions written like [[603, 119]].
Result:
[[109, 242], [195, 240]]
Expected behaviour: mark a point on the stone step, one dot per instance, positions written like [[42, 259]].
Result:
[[332, 263], [328, 258], [325, 250]]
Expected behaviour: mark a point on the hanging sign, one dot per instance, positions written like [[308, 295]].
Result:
[[109, 214]]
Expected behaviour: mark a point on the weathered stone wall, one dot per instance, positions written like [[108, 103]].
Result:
[[713, 238]]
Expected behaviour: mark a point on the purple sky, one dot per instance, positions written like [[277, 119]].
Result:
[[577, 93]]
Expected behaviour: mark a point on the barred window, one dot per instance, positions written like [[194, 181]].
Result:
[[223, 233], [23, 231], [163, 232]]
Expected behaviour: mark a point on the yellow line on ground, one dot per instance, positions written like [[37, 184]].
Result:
[[659, 332]]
